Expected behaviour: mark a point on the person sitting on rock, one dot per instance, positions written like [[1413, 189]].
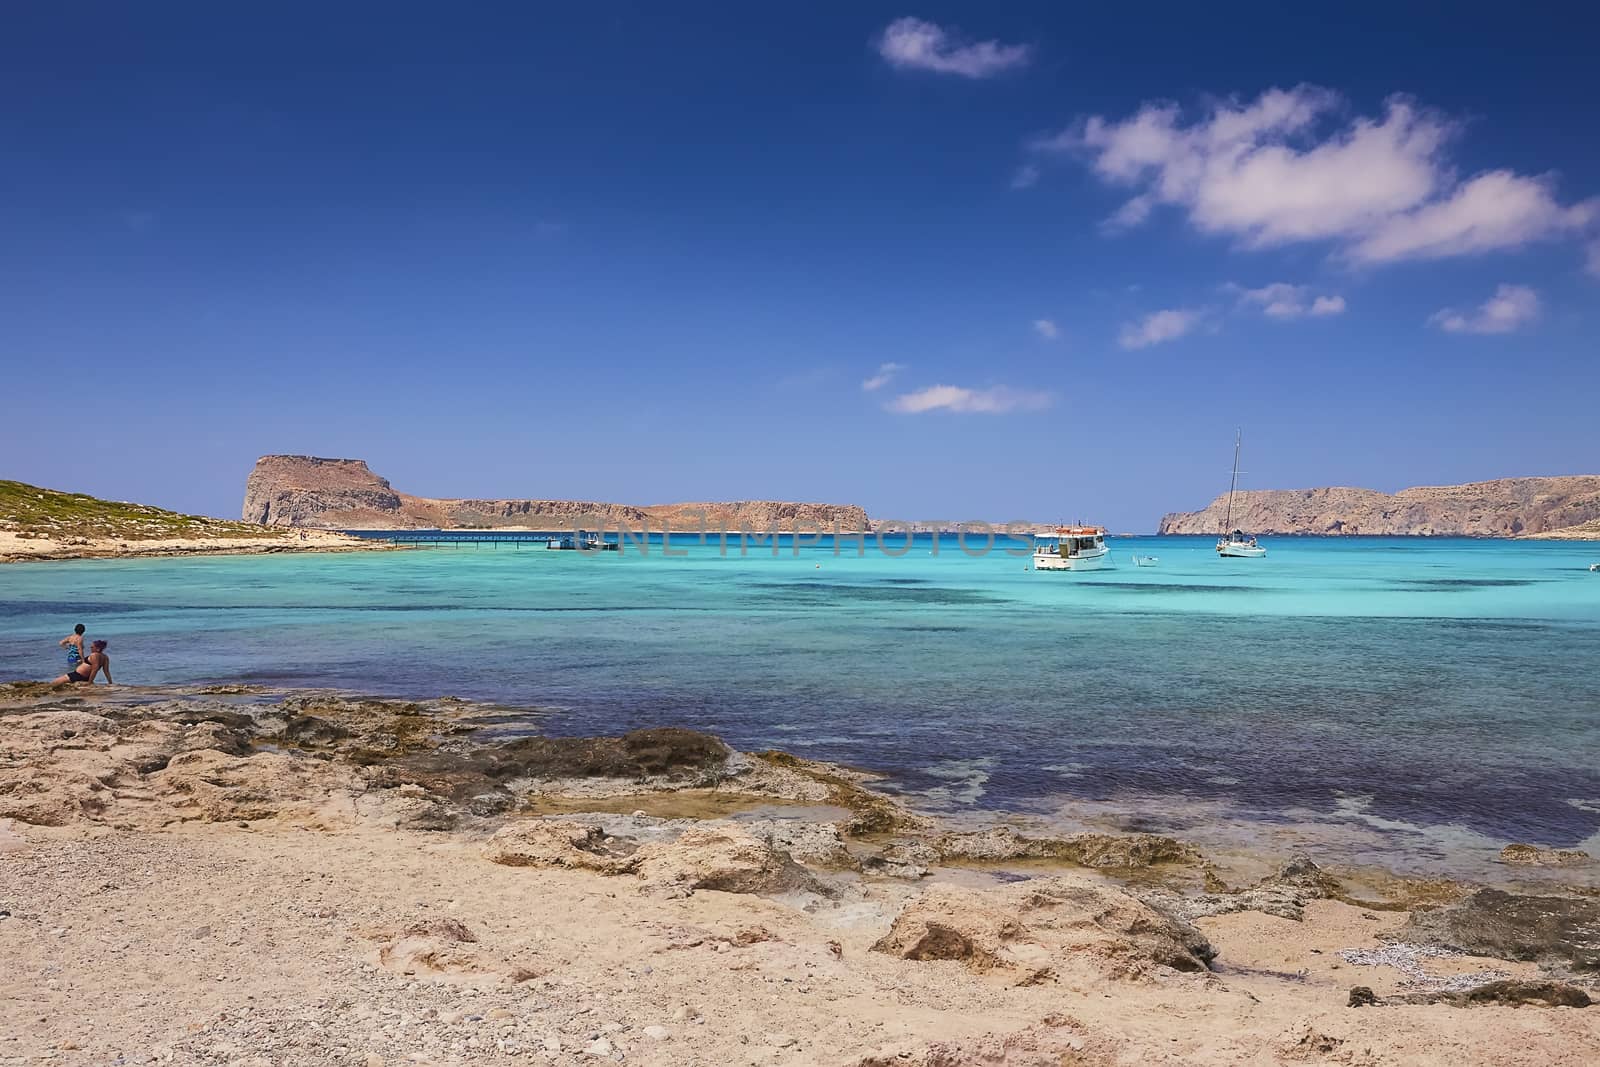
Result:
[[97, 663]]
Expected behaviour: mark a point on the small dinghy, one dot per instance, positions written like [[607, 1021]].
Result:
[[1144, 561], [1594, 566]]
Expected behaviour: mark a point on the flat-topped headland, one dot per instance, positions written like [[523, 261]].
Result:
[[1559, 507], [344, 494], [236, 875]]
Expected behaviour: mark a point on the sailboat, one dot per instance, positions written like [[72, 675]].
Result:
[[1233, 542]]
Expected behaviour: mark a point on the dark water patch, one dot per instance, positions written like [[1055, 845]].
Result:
[[930, 629], [1461, 584], [1174, 587], [833, 592], [31, 608], [1490, 626], [487, 608], [905, 581]]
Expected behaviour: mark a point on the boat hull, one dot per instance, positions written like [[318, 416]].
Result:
[[1241, 551], [1086, 561]]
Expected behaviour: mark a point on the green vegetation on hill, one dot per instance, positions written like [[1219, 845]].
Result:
[[34, 512]]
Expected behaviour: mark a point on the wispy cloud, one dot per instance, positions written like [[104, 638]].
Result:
[[912, 44], [996, 400], [1509, 309], [1287, 167], [1046, 328], [1158, 326], [1593, 258], [886, 373], [1280, 300], [1026, 177]]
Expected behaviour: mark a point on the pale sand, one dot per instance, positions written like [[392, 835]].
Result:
[[16, 549], [255, 947], [146, 920]]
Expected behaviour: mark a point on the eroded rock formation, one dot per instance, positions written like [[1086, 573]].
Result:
[[1509, 507], [344, 494]]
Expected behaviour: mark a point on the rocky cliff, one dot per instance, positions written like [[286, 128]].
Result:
[[1509, 507], [343, 494]]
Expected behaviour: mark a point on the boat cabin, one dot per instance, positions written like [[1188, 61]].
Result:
[[1071, 541]]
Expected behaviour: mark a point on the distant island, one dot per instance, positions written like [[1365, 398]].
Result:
[[1565, 507], [344, 494]]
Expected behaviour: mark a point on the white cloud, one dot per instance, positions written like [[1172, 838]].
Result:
[[1287, 167], [997, 400], [1130, 214], [1026, 177], [886, 373], [1495, 210], [1280, 300], [1158, 326], [1511, 307], [1046, 328], [912, 44]]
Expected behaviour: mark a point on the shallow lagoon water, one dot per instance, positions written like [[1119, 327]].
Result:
[[1416, 702]]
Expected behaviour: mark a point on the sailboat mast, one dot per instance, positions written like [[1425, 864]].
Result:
[[1233, 483]]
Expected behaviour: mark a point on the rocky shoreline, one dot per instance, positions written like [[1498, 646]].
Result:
[[234, 875]]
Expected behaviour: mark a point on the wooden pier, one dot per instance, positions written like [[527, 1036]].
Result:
[[491, 538]]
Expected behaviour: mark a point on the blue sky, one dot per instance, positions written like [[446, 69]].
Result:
[[656, 252]]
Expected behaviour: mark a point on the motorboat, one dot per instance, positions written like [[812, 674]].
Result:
[[1072, 548]]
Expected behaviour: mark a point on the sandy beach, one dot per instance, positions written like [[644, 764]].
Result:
[[244, 877], [17, 548]]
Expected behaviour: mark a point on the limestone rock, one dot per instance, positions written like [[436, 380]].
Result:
[[662, 752], [431, 947], [1031, 926], [302, 490], [1520, 855], [1056, 1041], [1507, 507], [214, 786], [724, 858], [1284, 894], [1556, 930], [559, 843], [903, 859], [819, 844], [1506, 992], [148, 765], [344, 494], [1104, 851]]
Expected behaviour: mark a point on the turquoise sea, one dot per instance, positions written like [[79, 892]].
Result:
[[1414, 702]]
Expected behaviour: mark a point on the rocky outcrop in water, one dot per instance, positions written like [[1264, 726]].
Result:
[[344, 494], [1509, 507]]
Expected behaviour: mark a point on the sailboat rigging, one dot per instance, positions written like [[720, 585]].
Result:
[[1235, 543]]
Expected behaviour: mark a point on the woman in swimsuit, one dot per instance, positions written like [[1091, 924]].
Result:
[[73, 643], [97, 663]]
